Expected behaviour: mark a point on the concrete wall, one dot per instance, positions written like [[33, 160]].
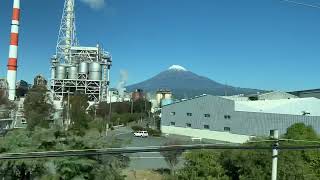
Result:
[[206, 134]]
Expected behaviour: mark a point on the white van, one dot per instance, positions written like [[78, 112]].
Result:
[[141, 134]]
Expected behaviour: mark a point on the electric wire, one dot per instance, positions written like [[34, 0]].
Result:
[[300, 140], [302, 4], [119, 151]]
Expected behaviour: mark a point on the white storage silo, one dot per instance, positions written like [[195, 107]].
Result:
[[73, 72], [83, 68], [60, 72], [95, 71]]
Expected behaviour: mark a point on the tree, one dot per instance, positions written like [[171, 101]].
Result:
[[3, 98], [301, 131], [20, 141], [141, 106], [79, 118], [202, 164], [256, 164], [38, 108], [53, 139], [172, 157], [311, 158]]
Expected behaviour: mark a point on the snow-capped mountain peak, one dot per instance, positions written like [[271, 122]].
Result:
[[177, 68]]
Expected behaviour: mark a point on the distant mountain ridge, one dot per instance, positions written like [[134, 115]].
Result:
[[186, 84]]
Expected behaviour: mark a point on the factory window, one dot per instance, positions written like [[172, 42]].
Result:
[[173, 113], [227, 129], [23, 121], [172, 123], [207, 115], [271, 133], [206, 126], [227, 116], [188, 124], [189, 114]]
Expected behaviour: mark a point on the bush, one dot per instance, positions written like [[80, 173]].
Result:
[[153, 132], [137, 128]]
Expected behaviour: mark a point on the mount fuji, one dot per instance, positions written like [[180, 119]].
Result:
[[186, 84]]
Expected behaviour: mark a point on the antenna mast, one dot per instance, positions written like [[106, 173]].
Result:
[[67, 33]]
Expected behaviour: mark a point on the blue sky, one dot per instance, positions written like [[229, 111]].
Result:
[[266, 44]]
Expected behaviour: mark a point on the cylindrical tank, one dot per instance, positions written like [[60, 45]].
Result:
[[83, 68], [73, 72], [60, 72], [94, 71], [53, 72]]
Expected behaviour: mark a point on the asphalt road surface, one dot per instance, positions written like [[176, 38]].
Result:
[[154, 160]]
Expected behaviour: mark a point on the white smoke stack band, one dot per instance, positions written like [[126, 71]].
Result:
[[12, 75]]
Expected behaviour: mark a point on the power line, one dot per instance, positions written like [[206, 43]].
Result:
[[293, 140], [117, 151], [302, 4], [300, 140]]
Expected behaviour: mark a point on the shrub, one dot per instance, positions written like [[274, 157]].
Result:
[[153, 132], [137, 128]]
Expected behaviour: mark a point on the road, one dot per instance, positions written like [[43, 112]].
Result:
[[143, 161]]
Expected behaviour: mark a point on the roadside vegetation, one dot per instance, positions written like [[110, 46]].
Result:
[[249, 164], [122, 112], [42, 134], [65, 168], [86, 132]]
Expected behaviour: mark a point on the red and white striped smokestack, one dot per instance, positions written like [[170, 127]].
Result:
[[13, 50]]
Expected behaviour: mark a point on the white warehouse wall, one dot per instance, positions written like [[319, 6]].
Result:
[[206, 134]]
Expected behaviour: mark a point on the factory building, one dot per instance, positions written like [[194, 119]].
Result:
[[274, 95], [115, 96], [307, 93], [76, 68], [164, 97], [87, 74], [224, 119], [138, 94], [39, 80]]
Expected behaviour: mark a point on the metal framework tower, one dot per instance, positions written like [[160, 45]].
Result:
[[77, 68], [67, 33]]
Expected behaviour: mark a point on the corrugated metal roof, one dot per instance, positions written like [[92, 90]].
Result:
[[296, 106]]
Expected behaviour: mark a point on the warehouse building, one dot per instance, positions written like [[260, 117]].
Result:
[[307, 93], [224, 119]]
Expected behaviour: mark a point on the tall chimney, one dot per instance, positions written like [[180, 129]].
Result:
[[13, 50]]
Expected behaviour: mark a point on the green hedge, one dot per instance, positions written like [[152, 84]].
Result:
[[138, 128]]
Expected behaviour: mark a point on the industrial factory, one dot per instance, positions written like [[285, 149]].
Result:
[[77, 68], [238, 118], [74, 68]]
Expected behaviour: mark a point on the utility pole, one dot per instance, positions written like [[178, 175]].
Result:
[[110, 109], [68, 111], [275, 136], [131, 105]]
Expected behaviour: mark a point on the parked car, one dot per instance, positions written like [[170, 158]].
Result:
[[141, 134]]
